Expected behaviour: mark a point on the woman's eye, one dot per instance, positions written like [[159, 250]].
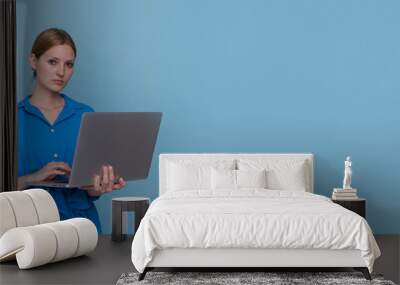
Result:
[[52, 62], [70, 64]]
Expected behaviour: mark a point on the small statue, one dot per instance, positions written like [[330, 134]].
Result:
[[347, 174]]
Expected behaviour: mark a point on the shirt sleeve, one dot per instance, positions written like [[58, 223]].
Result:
[[88, 109]]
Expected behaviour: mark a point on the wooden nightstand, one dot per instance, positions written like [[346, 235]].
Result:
[[357, 205]]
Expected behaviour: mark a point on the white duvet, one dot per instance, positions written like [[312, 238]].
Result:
[[251, 218]]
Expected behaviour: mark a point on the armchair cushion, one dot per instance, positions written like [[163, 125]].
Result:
[[31, 232], [37, 245], [26, 208]]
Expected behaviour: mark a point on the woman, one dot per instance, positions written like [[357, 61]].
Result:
[[49, 123]]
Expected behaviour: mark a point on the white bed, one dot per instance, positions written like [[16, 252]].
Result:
[[194, 224]]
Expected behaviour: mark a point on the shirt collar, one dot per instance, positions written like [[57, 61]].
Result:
[[70, 107]]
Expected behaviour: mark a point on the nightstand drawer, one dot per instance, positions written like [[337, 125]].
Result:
[[357, 206]]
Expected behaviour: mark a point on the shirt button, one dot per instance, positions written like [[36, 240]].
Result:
[[55, 155], [52, 130]]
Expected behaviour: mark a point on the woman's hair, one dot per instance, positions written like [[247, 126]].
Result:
[[49, 38]]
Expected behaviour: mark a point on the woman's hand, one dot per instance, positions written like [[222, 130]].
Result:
[[105, 182], [49, 171]]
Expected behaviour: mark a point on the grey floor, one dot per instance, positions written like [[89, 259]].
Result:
[[110, 260], [103, 266]]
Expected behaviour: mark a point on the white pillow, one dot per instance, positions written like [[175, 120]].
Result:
[[237, 179], [287, 174], [193, 174], [251, 178], [223, 179]]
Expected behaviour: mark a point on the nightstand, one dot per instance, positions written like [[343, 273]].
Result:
[[138, 205], [357, 205]]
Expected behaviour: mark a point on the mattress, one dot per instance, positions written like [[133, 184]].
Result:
[[251, 219]]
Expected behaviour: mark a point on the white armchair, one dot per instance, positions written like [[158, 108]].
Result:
[[31, 230]]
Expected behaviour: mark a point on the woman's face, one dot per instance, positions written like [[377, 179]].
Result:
[[54, 68]]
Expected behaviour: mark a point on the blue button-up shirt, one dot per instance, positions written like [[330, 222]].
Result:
[[40, 142]]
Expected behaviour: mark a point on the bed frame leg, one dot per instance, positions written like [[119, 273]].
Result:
[[143, 274], [364, 271]]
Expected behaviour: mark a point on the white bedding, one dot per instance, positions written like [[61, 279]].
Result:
[[250, 218]]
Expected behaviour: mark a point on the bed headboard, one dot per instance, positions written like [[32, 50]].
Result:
[[166, 157]]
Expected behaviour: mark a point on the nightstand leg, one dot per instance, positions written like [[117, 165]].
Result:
[[117, 221]]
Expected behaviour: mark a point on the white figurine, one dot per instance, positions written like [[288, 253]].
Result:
[[347, 174]]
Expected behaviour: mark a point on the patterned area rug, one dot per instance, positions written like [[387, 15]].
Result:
[[270, 278]]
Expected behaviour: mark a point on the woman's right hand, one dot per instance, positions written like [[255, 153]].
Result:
[[49, 171]]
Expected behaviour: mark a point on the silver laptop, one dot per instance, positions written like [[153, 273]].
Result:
[[124, 140]]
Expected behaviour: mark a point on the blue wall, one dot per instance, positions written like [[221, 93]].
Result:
[[244, 76]]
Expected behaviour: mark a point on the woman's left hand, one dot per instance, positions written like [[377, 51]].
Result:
[[105, 182]]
